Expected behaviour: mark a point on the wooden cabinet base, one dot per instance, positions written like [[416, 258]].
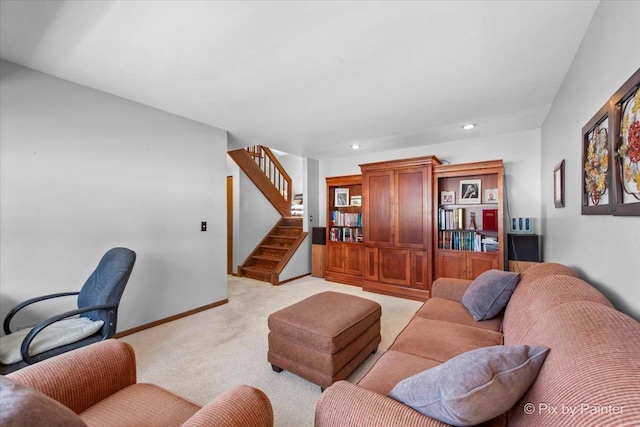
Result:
[[396, 291], [348, 279], [318, 260], [520, 266]]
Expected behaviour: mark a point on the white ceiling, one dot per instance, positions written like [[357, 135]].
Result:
[[312, 78]]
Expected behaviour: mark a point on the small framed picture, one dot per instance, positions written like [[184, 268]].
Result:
[[356, 200], [558, 185], [447, 197], [470, 191], [342, 197], [491, 195]]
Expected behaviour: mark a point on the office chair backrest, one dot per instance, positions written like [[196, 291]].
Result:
[[106, 285]]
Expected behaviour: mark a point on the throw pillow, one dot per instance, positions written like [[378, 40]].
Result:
[[473, 387], [489, 293], [24, 406]]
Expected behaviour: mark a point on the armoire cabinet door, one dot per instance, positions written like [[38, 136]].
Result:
[[411, 207], [451, 264], [378, 211], [395, 266], [353, 259], [479, 262], [419, 270], [335, 258]]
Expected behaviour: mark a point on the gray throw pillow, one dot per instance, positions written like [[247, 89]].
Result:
[[473, 387], [23, 406], [489, 293]]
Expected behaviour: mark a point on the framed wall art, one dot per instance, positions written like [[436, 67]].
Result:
[[470, 190], [558, 185], [447, 197], [596, 167], [626, 148], [342, 197], [491, 195]]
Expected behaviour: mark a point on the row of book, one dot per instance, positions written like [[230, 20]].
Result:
[[466, 240], [345, 234], [450, 218], [346, 219]]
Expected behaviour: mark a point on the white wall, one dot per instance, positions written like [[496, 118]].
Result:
[[604, 249], [294, 167], [256, 216], [520, 152], [83, 171]]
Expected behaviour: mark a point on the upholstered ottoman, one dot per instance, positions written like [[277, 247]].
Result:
[[323, 338]]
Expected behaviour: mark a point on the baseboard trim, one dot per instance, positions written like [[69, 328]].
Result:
[[170, 318], [293, 278]]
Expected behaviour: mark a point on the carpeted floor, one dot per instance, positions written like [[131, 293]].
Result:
[[202, 355]]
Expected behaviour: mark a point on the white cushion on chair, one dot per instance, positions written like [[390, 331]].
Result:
[[61, 333]]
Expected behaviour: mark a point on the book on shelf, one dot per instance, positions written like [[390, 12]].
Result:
[[466, 240], [345, 234], [489, 244], [450, 219], [490, 219], [346, 219]]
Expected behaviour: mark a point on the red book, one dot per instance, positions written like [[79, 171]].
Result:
[[490, 219]]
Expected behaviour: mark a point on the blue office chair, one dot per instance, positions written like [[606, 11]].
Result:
[[98, 299]]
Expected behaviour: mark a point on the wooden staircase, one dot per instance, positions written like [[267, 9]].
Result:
[[272, 254], [274, 251], [265, 171]]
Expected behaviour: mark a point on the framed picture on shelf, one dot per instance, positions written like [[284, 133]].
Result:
[[558, 185], [596, 165], [491, 195], [447, 197], [626, 148], [356, 200], [470, 191], [342, 198]]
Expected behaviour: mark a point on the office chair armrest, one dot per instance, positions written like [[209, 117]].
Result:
[[23, 304], [83, 377], [26, 343], [240, 406]]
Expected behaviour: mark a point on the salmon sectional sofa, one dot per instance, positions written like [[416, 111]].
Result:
[[591, 374]]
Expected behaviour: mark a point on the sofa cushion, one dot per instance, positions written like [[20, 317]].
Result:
[[440, 341], [454, 311], [592, 370], [543, 269], [449, 288], [24, 406], [138, 405], [393, 367], [473, 387], [56, 335], [489, 293], [532, 299]]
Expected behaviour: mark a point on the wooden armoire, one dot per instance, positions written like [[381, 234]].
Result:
[[398, 226]]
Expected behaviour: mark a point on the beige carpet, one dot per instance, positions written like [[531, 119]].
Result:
[[202, 355]]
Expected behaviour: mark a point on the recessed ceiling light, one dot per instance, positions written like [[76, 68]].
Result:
[[469, 126], [355, 146]]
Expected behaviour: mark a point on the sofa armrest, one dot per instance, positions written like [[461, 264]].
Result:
[[348, 405], [83, 377], [449, 288], [240, 406]]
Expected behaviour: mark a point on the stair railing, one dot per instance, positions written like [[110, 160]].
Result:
[[269, 164]]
